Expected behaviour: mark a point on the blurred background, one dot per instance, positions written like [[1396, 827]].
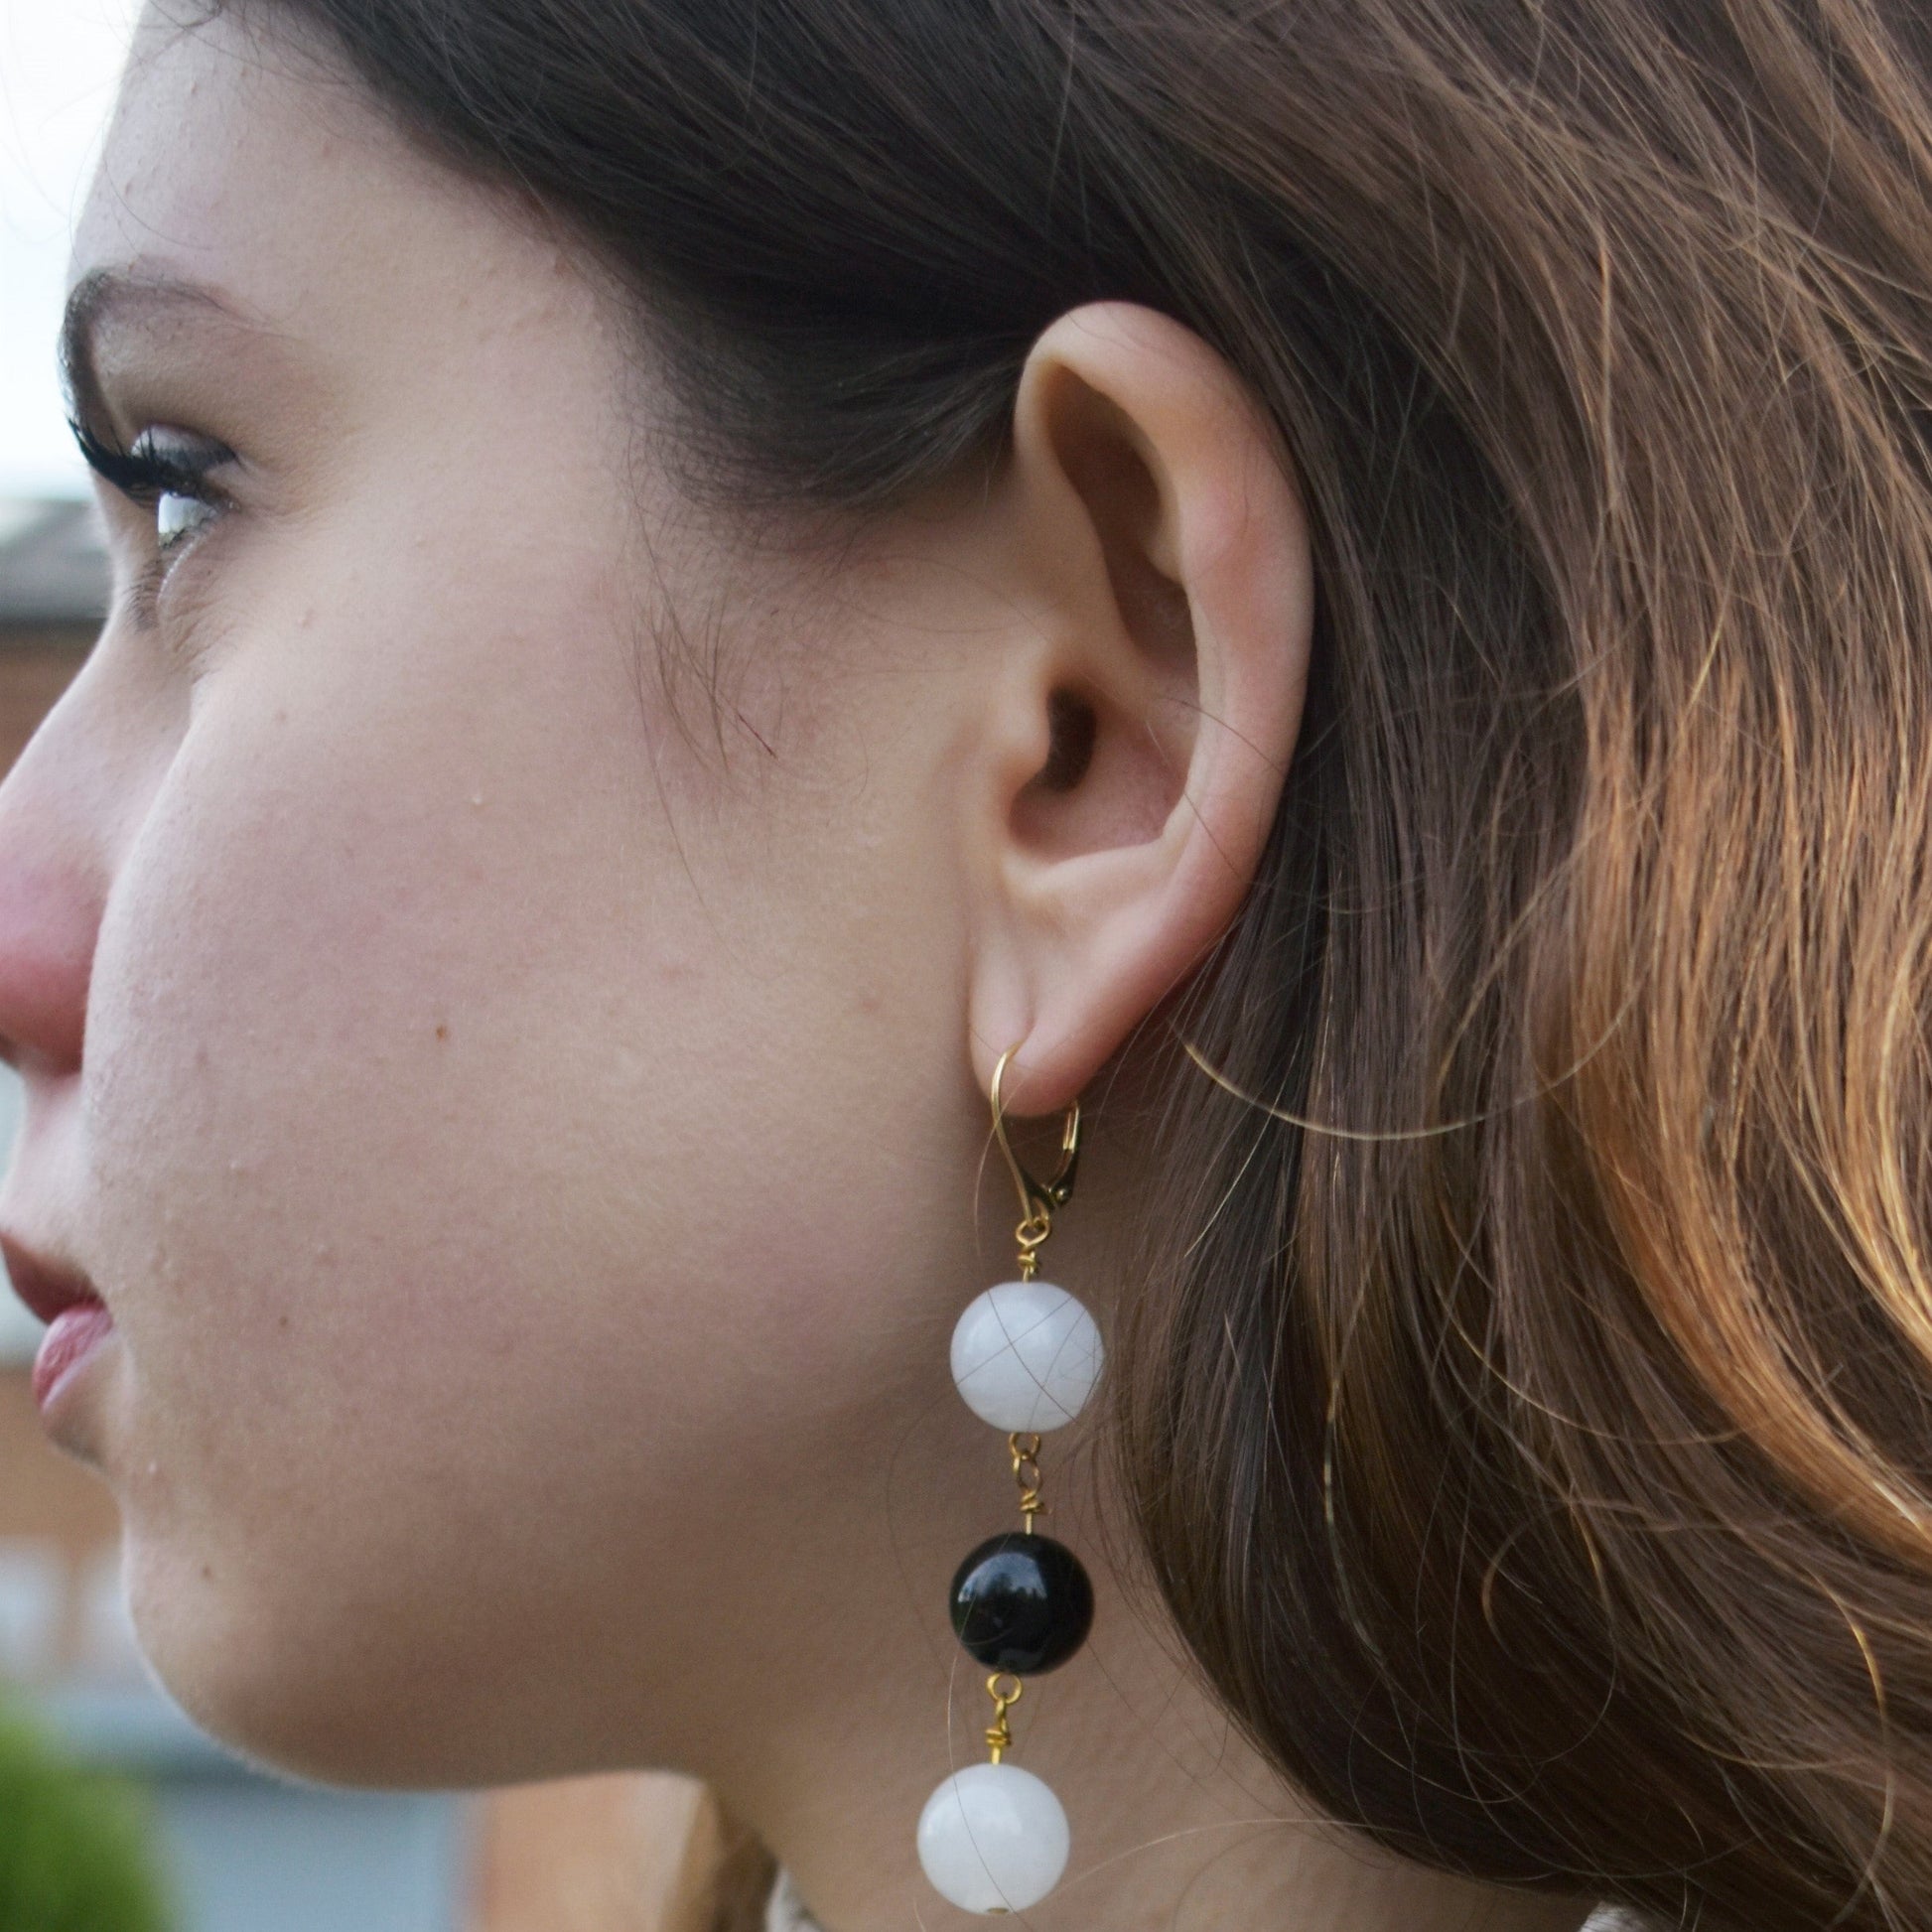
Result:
[[106, 1792]]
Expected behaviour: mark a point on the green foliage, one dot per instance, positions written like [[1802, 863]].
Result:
[[75, 1848]]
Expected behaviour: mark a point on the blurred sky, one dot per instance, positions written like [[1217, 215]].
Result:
[[59, 59]]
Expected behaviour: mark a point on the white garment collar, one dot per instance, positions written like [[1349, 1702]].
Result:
[[785, 1913]]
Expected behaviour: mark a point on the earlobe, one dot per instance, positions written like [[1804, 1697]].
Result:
[[1159, 695]]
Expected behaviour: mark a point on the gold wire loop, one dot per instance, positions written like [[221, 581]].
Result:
[[1025, 1450], [998, 1733], [1037, 1198]]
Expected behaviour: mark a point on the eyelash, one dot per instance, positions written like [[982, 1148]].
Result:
[[144, 477]]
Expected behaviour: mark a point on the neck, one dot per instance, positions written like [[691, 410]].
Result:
[[1179, 1826], [852, 1701]]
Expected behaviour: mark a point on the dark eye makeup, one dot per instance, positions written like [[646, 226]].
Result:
[[165, 471], [158, 462]]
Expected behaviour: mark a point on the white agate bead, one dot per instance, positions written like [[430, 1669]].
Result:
[[992, 1838], [1025, 1356]]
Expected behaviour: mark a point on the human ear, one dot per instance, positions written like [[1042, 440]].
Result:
[[1138, 740]]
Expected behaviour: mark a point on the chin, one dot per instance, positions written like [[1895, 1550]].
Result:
[[296, 1689]]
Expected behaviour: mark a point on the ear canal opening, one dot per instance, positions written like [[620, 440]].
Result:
[[1074, 728]]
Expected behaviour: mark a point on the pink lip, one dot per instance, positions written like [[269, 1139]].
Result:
[[65, 1300], [75, 1333], [45, 1285]]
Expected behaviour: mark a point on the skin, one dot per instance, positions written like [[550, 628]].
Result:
[[508, 967]]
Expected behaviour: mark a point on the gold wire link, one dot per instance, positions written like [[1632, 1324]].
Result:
[[1031, 1235], [1025, 1450], [998, 1733]]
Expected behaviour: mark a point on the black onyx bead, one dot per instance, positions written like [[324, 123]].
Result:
[[1022, 1603]]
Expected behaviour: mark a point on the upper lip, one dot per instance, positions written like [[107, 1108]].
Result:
[[47, 1286]]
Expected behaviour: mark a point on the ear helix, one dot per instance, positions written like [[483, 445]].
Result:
[[1025, 1356]]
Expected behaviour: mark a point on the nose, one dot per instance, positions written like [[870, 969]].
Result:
[[52, 887], [48, 918]]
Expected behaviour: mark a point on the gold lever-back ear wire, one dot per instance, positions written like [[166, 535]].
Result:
[[1037, 1198]]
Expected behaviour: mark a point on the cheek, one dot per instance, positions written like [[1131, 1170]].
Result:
[[463, 1184], [360, 933], [336, 1200], [343, 1048], [281, 1002]]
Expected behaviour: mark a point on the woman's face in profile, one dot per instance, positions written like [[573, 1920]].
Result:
[[507, 949], [505, 960]]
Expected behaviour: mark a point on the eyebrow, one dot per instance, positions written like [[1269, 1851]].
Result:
[[109, 297]]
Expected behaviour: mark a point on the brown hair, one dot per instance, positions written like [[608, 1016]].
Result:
[[1529, 1409]]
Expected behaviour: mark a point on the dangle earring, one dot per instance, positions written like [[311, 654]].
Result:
[[1025, 1356]]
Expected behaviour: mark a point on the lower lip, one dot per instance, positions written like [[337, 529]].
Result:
[[74, 1336]]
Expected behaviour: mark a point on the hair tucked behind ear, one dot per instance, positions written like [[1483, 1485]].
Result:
[[1529, 1407]]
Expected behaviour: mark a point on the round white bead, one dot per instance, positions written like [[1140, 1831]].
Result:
[[1025, 1356], [992, 1838]]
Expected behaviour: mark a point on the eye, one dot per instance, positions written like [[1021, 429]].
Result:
[[166, 471], [177, 517]]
